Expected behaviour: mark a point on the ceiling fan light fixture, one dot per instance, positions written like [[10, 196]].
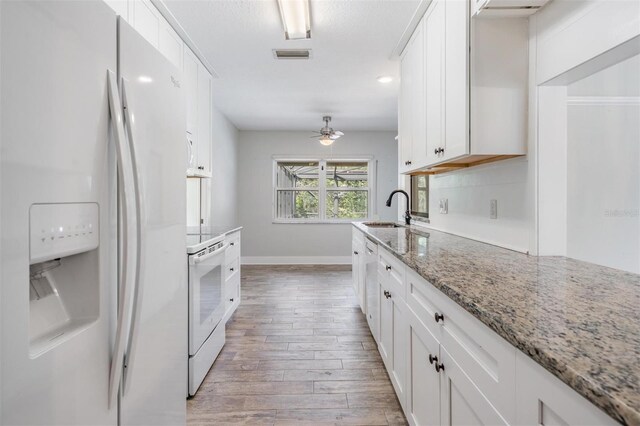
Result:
[[326, 140], [296, 19]]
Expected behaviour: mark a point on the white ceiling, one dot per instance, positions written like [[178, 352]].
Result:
[[352, 43]]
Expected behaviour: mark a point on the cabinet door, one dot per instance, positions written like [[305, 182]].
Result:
[[146, 20], [542, 399], [462, 403], [190, 77], [418, 99], [355, 267], [394, 340], [362, 276], [170, 44], [404, 113], [385, 343], [423, 381], [434, 79], [399, 361], [456, 79], [204, 119]]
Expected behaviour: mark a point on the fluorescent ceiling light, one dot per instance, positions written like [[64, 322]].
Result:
[[325, 140], [385, 79], [295, 18]]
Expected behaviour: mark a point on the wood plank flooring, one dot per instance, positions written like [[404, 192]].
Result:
[[298, 351]]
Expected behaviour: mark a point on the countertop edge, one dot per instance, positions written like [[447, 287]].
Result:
[[591, 391]]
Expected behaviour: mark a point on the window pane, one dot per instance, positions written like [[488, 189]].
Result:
[[296, 174], [347, 204], [297, 205], [420, 195], [343, 174]]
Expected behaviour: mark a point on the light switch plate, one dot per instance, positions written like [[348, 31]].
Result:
[[444, 206], [493, 209]]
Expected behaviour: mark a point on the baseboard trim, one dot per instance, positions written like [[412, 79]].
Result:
[[295, 260]]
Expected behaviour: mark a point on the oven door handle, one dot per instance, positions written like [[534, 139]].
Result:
[[194, 260]]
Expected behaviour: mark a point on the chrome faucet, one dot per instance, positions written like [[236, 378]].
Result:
[[407, 215]]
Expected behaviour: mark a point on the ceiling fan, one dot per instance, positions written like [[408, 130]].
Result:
[[327, 134]]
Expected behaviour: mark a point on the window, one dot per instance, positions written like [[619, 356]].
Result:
[[420, 196], [317, 190]]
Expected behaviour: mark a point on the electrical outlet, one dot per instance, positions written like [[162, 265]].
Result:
[[493, 209], [444, 206]]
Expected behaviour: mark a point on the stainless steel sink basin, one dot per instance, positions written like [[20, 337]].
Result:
[[383, 225]]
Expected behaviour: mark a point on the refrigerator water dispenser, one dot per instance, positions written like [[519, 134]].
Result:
[[63, 273]]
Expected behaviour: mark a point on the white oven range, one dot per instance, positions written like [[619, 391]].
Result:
[[206, 262]]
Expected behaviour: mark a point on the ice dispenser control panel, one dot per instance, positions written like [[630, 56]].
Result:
[[59, 230]]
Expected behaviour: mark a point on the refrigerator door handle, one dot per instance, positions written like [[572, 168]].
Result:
[[139, 203], [127, 194]]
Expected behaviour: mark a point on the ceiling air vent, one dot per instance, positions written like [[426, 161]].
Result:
[[292, 53]]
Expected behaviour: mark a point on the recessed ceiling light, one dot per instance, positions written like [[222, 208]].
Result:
[[385, 79]]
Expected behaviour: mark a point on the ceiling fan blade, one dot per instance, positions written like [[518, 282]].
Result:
[[338, 132], [334, 136]]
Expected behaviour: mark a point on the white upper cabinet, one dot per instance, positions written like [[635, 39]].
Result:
[[121, 7], [456, 86], [190, 77], [198, 89], [197, 81], [204, 120], [170, 44], [412, 105], [145, 18], [434, 23], [404, 113], [465, 85]]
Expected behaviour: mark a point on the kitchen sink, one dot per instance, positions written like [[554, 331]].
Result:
[[383, 225]]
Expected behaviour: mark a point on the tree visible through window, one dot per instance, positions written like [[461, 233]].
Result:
[[318, 190]]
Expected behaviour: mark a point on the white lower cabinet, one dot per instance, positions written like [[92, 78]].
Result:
[[542, 399], [448, 368], [423, 381], [394, 339], [232, 275], [358, 267]]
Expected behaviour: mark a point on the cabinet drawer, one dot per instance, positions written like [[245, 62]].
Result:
[[421, 297], [234, 246], [232, 269], [391, 273], [232, 289]]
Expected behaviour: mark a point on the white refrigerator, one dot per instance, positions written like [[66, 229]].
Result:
[[93, 282]]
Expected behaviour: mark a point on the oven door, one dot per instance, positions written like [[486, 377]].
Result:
[[206, 296]]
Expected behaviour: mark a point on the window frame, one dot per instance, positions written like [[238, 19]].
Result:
[[323, 189]]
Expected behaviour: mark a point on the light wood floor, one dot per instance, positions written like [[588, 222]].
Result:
[[298, 351]]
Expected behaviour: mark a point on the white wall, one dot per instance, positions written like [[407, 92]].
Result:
[[603, 167], [266, 242], [223, 185]]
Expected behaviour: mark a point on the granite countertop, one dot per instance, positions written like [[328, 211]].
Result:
[[578, 320]]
